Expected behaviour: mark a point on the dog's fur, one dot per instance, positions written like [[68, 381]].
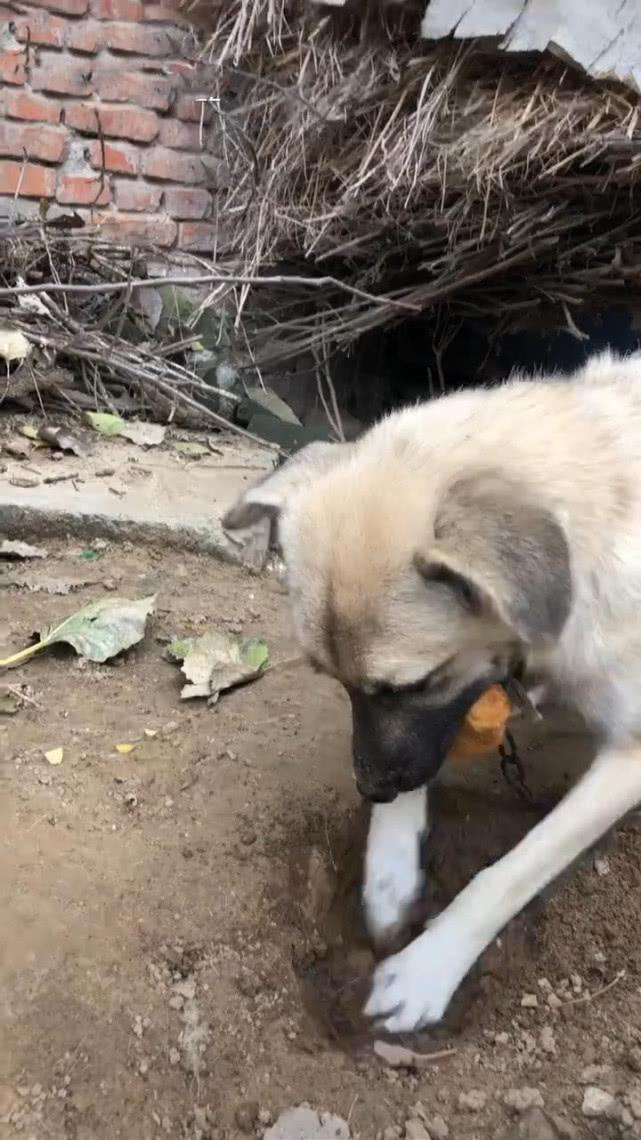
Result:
[[423, 560]]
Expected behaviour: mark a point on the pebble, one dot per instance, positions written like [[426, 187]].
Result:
[[529, 1001], [547, 1039], [520, 1100], [415, 1129], [602, 865], [176, 1001], [532, 1125], [174, 1057], [304, 1123], [597, 1103], [438, 1128], [472, 1101], [633, 1058]]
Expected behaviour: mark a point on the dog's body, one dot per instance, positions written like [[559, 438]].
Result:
[[453, 540]]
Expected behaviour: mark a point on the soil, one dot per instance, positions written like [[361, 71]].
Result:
[[181, 951]]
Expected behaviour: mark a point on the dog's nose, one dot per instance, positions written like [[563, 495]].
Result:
[[377, 795]]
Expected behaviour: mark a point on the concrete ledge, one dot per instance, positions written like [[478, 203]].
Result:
[[153, 496]]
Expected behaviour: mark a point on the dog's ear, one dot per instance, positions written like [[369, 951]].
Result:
[[500, 552], [268, 498]]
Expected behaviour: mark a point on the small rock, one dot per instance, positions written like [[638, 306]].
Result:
[[554, 1001], [599, 1103], [602, 865], [520, 1100], [532, 1125], [24, 481], [137, 1027], [633, 1101], [176, 1001], [264, 1117], [633, 1058], [109, 584], [415, 1129], [174, 1057], [593, 1073], [8, 1101], [547, 1039], [472, 1101], [438, 1128], [529, 1001], [143, 1067], [304, 1123], [246, 1116], [186, 989]]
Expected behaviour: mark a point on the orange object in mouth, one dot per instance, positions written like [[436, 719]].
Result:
[[483, 730]]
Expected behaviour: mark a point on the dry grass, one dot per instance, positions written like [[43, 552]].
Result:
[[426, 173]]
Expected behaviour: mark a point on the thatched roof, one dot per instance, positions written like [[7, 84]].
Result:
[[423, 173]]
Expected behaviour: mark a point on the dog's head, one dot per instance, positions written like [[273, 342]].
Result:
[[416, 593]]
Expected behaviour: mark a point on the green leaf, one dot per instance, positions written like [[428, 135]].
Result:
[[90, 555], [177, 650], [191, 449], [265, 400], [97, 632], [105, 423], [218, 661]]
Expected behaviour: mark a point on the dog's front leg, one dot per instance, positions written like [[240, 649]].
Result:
[[393, 878], [413, 988]]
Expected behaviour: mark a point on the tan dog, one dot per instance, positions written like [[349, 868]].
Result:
[[450, 542]]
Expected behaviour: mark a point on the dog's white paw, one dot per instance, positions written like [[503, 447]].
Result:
[[393, 874], [413, 989]]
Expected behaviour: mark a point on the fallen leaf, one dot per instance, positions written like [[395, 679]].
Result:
[[13, 344], [61, 439], [9, 702], [125, 748], [218, 661], [91, 555], [20, 550], [29, 431], [190, 449], [55, 756], [399, 1057], [105, 423], [97, 632], [144, 434]]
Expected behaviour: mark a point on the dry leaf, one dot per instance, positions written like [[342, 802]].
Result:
[[61, 439], [218, 661], [13, 345], [124, 749], [143, 434], [55, 756]]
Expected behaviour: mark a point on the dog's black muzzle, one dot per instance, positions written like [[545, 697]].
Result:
[[400, 742]]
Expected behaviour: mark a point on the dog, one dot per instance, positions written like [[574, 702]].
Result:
[[453, 544]]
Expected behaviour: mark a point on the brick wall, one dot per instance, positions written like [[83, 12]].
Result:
[[96, 116]]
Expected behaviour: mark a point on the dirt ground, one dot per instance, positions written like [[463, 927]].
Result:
[[180, 944]]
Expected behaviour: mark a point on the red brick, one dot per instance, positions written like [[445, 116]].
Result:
[[199, 236], [192, 110], [140, 40], [86, 35], [135, 196], [187, 202], [41, 28], [13, 67], [45, 143], [154, 229], [172, 166], [67, 7], [183, 136], [36, 108], [165, 14], [27, 180], [115, 122], [73, 77], [83, 190], [132, 10], [120, 85], [116, 157]]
